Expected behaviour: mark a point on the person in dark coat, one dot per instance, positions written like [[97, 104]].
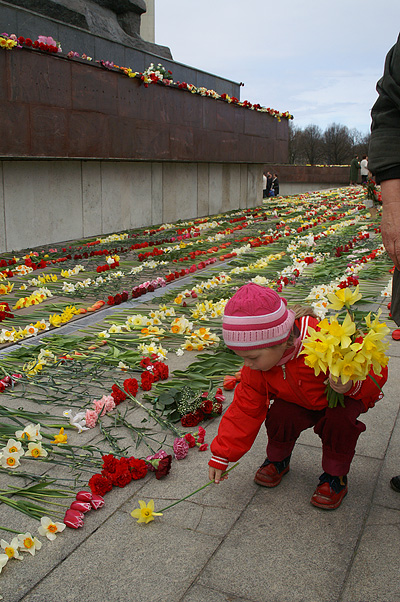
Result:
[[269, 182], [354, 167], [275, 184], [384, 164]]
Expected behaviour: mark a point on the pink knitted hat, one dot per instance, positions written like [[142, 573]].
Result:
[[256, 317]]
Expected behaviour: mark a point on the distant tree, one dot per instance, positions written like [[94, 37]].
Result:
[[311, 144], [360, 142], [337, 145], [294, 143]]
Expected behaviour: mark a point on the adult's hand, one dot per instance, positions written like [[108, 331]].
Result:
[[390, 225]]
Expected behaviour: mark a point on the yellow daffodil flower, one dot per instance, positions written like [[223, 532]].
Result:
[[145, 513], [344, 297], [60, 438]]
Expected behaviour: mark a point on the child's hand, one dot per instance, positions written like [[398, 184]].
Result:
[[216, 475], [336, 384]]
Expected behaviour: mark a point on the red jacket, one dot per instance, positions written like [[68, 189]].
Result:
[[293, 382]]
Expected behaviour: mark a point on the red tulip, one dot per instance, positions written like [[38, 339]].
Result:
[[229, 383], [81, 506], [73, 519], [97, 501], [84, 496]]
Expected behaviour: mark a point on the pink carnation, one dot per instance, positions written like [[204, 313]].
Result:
[[91, 418], [158, 456], [103, 405], [181, 448]]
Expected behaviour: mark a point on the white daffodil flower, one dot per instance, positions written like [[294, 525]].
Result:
[[10, 460], [49, 529], [27, 543], [13, 447], [35, 450], [11, 549], [3, 561], [77, 420], [30, 433]]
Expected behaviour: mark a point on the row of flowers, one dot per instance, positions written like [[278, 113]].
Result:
[[152, 75]]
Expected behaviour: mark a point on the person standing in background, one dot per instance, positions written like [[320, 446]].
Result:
[[364, 169], [384, 164], [275, 184], [354, 167], [265, 192], [269, 182]]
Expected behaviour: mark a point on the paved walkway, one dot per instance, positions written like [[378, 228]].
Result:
[[235, 541]]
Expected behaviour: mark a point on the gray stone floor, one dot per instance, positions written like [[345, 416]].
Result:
[[235, 542]]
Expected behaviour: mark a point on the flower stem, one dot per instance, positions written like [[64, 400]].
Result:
[[197, 490], [9, 530]]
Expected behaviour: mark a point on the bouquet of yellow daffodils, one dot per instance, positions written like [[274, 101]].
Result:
[[345, 349]]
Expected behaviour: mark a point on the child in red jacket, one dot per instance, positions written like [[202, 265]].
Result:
[[259, 327]]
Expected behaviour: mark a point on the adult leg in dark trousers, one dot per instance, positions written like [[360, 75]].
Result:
[[395, 311]]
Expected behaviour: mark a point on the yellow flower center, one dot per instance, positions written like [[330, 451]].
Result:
[[25, 435], [146, 512], [11, 461], [52, 528], [13, 450], [28, 542], [36, 452], [9, 551]]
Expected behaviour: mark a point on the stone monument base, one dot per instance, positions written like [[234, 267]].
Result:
[[52, 201]]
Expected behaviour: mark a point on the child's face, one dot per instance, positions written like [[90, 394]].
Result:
[[263, 359]]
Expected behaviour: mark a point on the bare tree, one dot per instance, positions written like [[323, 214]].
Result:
[[338, 144], [311, 144], [360, 142], [294, 143]]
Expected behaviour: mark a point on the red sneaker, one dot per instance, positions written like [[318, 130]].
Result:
[[330, 492], [270, 473]]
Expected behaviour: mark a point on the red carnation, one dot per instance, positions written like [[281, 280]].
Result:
[[118, 395], [122, 476], [100, 484], [131, 386], [145, 362], [110, 463], [207, 406], [161, 370], [192, 419], [190, 439], [138, 468], [164, 466], [147, 380]]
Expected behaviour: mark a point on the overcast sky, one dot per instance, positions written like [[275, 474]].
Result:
[[319, 60]]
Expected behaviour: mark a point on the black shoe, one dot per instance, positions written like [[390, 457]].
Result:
[[280, 466], [395, 484]]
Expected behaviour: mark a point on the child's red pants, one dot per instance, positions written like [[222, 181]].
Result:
[[337, 427]]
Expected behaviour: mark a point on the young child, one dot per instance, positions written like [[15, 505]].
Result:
[[258, 326]]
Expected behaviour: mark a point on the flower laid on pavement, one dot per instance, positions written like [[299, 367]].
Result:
[[49, 528], [60, 438], [35, 450], [27, 543], [145, 513], [11, 549], [30, 433]]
